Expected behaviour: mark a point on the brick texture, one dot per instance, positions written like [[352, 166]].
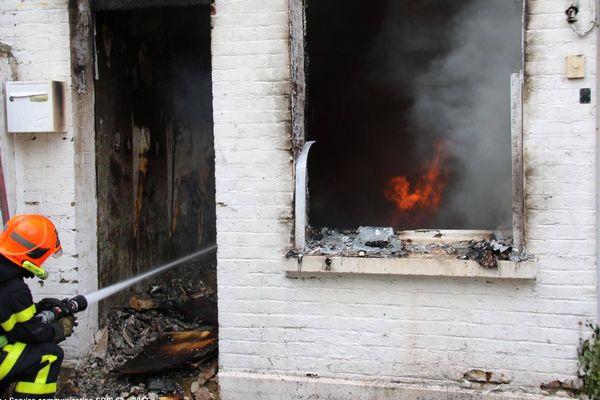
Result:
[[397, 329], [391, 329], [45, 167]]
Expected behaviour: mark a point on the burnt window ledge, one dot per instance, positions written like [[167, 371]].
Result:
[[410, 266]]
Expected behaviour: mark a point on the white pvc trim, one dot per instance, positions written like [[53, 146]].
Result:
[[301, 171]]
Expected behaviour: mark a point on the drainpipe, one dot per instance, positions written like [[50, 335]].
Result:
[[5, 52], [3, 196], [597, 180]]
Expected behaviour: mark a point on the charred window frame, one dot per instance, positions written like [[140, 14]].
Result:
[[301, 146]]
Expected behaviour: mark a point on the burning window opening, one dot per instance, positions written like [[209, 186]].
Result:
[[409, 105]]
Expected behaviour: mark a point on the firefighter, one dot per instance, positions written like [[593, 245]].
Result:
[[30, 355]]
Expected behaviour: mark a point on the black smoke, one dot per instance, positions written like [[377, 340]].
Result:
[[385, 81]]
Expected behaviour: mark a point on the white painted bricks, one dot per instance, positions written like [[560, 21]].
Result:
[[38, 33], [400, 329], [364, 328]]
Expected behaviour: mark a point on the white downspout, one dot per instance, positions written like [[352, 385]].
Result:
[[597, 178]]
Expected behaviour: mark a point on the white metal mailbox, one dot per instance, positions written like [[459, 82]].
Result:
[[35, 106]]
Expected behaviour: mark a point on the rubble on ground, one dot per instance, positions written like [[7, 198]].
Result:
[[158, 347], [173, 350], [384, 242]]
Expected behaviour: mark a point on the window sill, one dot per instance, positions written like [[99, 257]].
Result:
[[410, 266]]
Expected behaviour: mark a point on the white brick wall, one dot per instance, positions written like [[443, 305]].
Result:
[[45, 167], [394, 329], [373, 329]]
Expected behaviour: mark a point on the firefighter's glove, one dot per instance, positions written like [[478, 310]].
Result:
[[63, 328], [47, 304]]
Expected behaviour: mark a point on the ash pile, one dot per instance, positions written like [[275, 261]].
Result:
[[162, 346], [487, 253], [385, 242], [366, 241]]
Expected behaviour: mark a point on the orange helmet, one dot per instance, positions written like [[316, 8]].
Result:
[[28, 240]]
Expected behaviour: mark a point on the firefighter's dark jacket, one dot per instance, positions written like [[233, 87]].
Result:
[[17, 309]]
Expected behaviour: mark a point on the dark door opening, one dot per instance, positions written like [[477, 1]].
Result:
[[154, 144]]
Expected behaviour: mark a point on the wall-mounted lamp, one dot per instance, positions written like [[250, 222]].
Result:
[[579, 23], [572, 14]]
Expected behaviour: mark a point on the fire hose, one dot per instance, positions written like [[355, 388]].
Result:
[[53, 309]]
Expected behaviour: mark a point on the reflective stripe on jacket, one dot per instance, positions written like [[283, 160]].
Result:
[[17, 309]]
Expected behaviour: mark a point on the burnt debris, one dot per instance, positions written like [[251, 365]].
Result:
[[375, 242], [157, 347], [172, 350], [384, 242], [487, 253], [375, 237]]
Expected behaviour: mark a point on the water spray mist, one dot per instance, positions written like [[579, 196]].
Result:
[[101, 294]]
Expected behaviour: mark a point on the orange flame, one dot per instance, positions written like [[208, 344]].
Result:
[[427, 193]]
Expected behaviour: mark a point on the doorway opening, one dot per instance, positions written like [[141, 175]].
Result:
[[154, 150]]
